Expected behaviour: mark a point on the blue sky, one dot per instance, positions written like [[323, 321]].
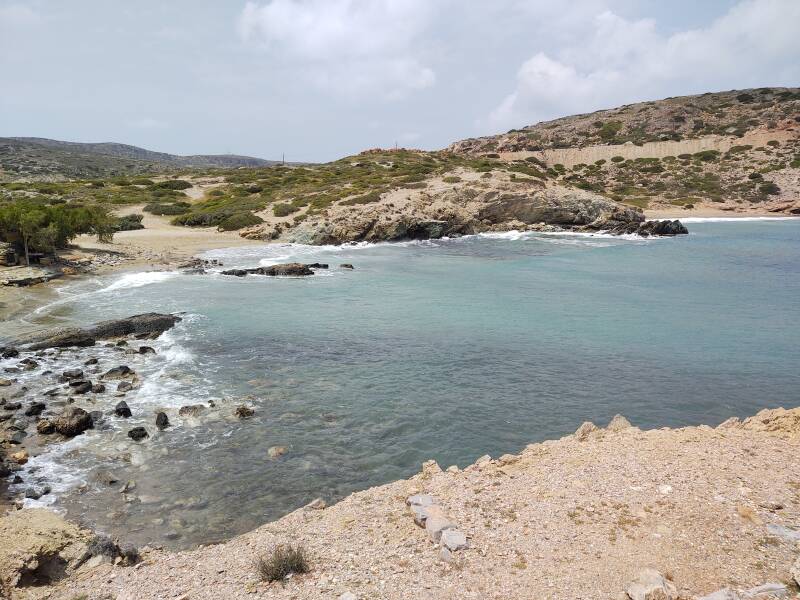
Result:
[[321, 79]]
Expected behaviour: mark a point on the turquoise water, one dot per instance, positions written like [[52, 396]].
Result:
[[444, 349]]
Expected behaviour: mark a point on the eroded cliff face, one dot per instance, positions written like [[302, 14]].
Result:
[[473, 207]]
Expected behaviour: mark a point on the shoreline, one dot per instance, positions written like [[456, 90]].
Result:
[[616, 499]]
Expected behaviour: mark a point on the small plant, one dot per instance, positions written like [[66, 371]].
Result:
[[283, 561], [284, 210], [174, 184], [451, 179]]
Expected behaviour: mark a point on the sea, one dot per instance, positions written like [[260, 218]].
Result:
[[440, 349]]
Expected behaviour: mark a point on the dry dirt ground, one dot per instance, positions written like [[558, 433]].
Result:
[[575, 518]]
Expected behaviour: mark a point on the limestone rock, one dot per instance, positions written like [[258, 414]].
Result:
[[618, 423], [276, 451], [651, 585], [435, 525], [585, 430], [244, 412], [454, 539], [72, 421]]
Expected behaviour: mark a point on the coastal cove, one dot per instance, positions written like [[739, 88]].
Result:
[[436, 349]]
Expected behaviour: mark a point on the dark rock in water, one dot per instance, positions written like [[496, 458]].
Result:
[[162, 421], [124, 386], [45, 427], [91, 361], [81, 387], [106, 478], [36, 492], [97, 417], [346, 266], [51, 392], [235, 272], [137, 434], [9, 352], [121, 343], [72, 374], [35, 409], [122, 409], [663, 228], [193, 410], [144, 324], [12, 405], [117, 372], [317, 265], [146, 350], [286, 270], [29, 364], [73, 421], [98, 388], [244, 412], [130, 554]]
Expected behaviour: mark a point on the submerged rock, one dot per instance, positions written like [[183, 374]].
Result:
[[192, 410], [162, 421], [118, 372], [285, 270], [122, 409], [244, 412]]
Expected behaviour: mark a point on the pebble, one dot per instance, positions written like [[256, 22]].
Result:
[[276, 451]]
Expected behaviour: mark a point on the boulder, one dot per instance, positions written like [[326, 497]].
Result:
[[276, 451], [45, 427], [124, 386], [453, 539], [70, 374], [162, 421], [80, 387], [235, 272], [651, 585], [146, 350], [285, 270], [346, 266], [72, 421], [317, 265], [662, 228], [137, 434], [122, 409], [118, 372], [244, 412], [192, 410], [35, 409]]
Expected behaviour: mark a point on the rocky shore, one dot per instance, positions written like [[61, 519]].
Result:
[[616, 512]]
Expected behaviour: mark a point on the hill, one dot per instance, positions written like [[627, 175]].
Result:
[[46, 159], [734, 149]]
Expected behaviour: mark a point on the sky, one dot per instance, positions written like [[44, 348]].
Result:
[[316, 80]]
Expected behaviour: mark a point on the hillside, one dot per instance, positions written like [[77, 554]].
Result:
[[45, 159], [734, 149]]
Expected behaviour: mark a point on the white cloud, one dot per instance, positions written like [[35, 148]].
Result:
[[622, 61], [349, 46], [18, 15]]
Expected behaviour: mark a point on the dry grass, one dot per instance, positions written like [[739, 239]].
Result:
[[282, 562]]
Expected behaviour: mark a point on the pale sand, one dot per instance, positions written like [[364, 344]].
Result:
[[707, 211], [575, 518], [160, 242]]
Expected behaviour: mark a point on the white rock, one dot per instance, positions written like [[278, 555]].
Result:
[[348, 596], [422, 513], [420, 500], [585, 430], [436, 524], [651, 585], [723, 594], [453, 539], [618, 423], [767, 590], [316, 504], [664, 489]]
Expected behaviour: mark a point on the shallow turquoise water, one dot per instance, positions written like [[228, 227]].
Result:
[[447, 349]]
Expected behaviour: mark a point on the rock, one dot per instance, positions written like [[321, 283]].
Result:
[[316, 504], [72, 374], [244, 412], [17, 437], [35, 409], [130, 554], [148, 324], [98, 388], [122, 409], [124, 386], [795, 571], [285, 270], [453, 539], [45, 427], [39, 548], [585, 430], [80, 387], [20, 457], [348, 596], [781, 531], [430, 468], [5, 382], [423, 513], [146, 350], [346, 266], [162, 421], [317, 265], [11, 406], [420, 500], [137, 434], [276, 451], [72, 421], [192, 410], [97, 417], [118, 372], [618, 423], [36, 492], [651, 585], [767, 590], [662, 228], [435, 525], [7, 352], [91, 361]]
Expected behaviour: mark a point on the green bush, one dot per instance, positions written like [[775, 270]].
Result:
[[451, 179], [239, 221], [284, 209], [610, 130], [365, 199], [617, 159], [769, 188], [174, 184], [178, 208], [282, 562], [129, 223]]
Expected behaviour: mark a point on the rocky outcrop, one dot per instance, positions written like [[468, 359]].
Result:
[[73, 421], [284, 270], [649, 228], [149, 325]]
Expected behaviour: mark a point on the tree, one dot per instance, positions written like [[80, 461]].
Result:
[[29, 224]]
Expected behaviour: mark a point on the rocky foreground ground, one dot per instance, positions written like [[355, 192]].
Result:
[[697, 512]]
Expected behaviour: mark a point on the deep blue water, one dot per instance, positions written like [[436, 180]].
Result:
[[447, 349]]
